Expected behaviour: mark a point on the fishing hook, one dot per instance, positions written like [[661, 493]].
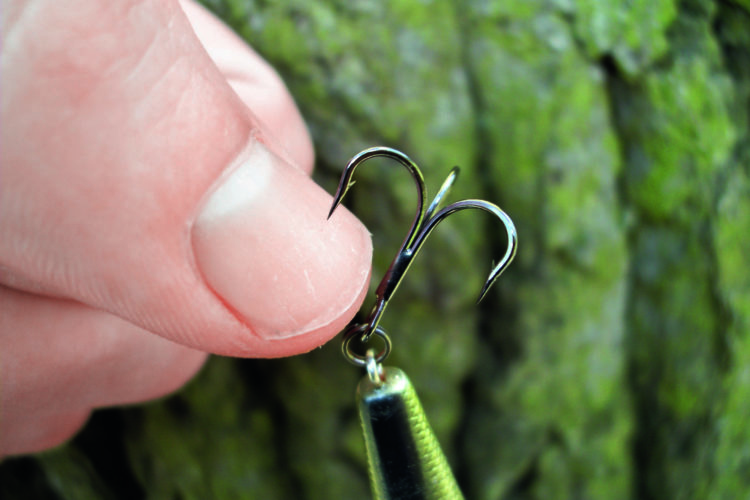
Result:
[[425, 221]]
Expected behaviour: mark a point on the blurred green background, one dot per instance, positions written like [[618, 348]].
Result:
[[611, 361]]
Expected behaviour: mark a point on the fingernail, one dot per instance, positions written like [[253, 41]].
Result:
[[263, 244]]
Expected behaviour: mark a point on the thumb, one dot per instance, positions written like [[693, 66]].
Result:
[[137, 182]]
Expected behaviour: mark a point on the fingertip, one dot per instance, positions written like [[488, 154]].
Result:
[[304, 342], [264, 245]]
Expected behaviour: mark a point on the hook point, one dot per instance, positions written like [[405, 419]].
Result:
[[333, 209], [485, 289]]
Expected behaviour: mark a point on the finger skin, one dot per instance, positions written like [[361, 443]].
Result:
[[40, 432], [256, 83], [60, 359], [122, 127]]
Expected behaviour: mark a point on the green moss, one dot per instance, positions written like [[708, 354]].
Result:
[[610, 361], [208, 442], [733, 448], [71, 475], [678, 136], [634, 33]]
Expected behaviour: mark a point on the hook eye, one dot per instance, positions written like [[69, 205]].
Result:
[[361, 335]]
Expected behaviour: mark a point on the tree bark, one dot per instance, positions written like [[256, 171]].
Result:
[[610, 362]]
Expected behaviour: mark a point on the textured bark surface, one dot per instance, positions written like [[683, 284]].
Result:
[[611, 361]]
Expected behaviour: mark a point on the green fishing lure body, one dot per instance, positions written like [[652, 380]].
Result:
[[404, 456]]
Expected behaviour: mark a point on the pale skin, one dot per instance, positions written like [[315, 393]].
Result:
[[155, 206]]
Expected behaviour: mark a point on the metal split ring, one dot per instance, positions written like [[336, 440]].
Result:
[[362, 334]]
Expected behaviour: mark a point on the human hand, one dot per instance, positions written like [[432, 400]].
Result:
[[154, 206]]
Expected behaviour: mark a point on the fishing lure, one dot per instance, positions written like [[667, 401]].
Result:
[[404, 457]]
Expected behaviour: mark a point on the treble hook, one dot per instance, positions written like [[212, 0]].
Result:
[[423, 224]]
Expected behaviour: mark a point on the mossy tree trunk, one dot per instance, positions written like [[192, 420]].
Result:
[[612, 359]]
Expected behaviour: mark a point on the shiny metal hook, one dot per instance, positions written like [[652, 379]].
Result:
[[423, 224]]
